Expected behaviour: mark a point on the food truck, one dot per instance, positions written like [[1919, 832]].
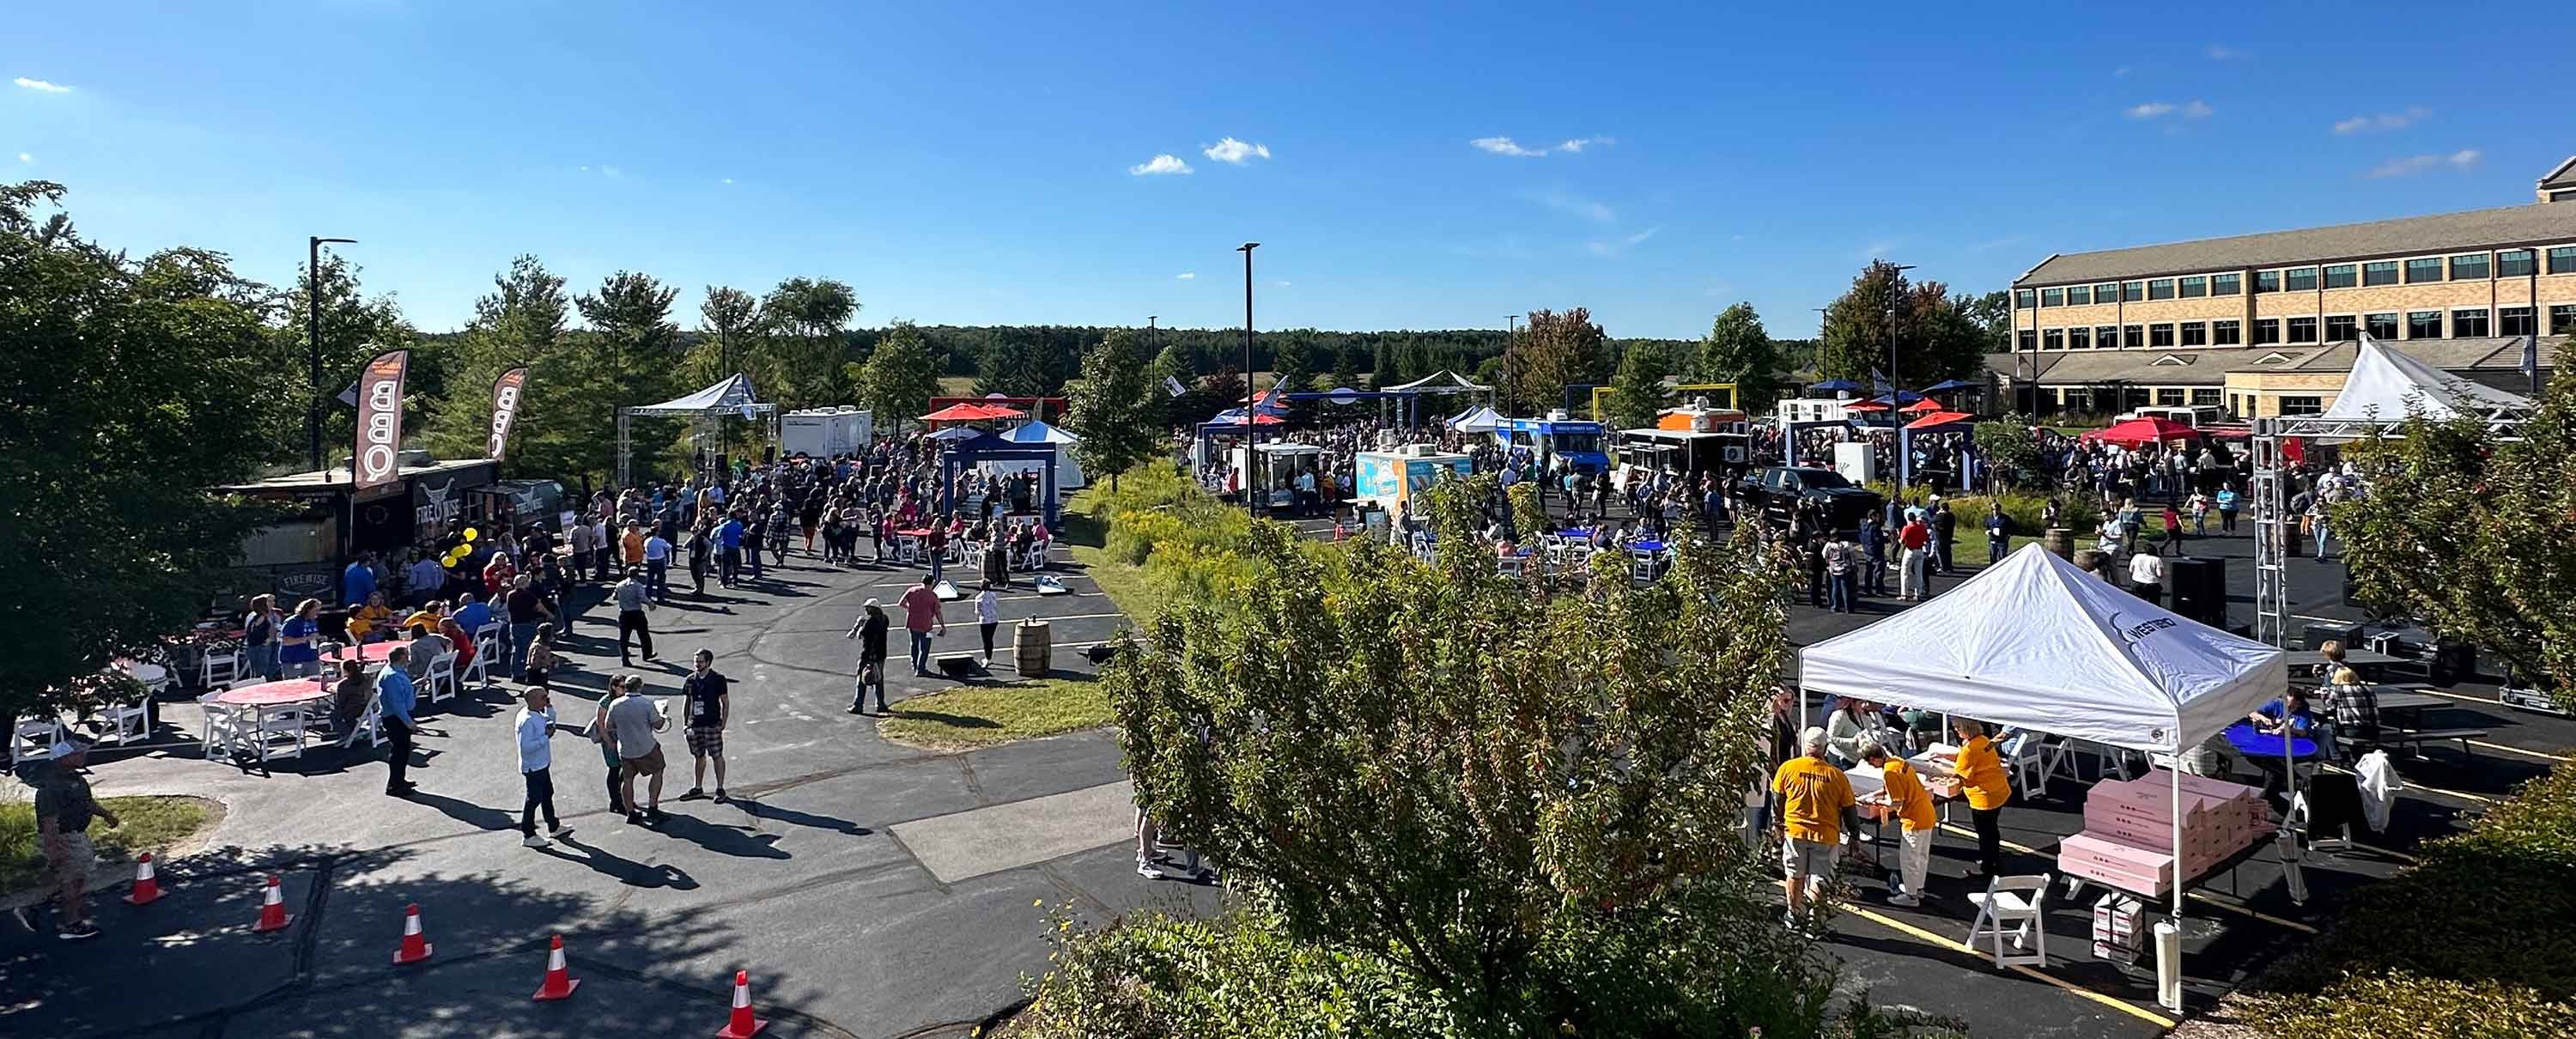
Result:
[[1689, 441], [1576, 441], [1389, 479], [1275, 475]]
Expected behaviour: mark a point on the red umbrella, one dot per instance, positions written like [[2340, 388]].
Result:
[[1926, 404], [1866, 405], [971, 413], [1260, 419], [2150, 430], [1939, 418]]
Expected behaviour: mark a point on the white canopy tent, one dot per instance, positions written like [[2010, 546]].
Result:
[[732, 396], [2386, 385], [1479, 419], [2036, 643], [1442, 381], [1068, 469]]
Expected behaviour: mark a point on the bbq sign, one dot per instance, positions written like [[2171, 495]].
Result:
[[505, 408], [376, 458]]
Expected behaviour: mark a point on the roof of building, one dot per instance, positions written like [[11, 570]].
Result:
[[328, 479], [2562, 177], [2208, 366], [2444, 232]]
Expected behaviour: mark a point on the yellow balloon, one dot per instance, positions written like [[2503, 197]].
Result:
[[471, 533]]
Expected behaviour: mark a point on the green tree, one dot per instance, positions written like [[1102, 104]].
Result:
[[1173, 363], [567, 425], [1739, 351], [1116, 410], [1534, 812], [2010, 448], [1556, 349], [1292, 365], [1224, 388], [804, 358], [900, 376], [1637, 391], [630, 319], [1992, 314], [132, 388], [728, 318], [2474, 532], [1934, 339]]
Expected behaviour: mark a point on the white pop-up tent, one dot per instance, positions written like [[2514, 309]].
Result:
[[1479, 419], [1068, 469], [2387, 385], [2036, 643], [732, 396]]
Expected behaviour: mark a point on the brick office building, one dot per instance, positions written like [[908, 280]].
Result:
[[2250, 323]]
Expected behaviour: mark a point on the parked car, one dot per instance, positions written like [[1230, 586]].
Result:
[[1775, 492]]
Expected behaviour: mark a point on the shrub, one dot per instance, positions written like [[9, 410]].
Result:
[[2078, 512]]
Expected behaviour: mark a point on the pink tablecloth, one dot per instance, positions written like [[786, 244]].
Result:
[[373, 653], [276, 694]]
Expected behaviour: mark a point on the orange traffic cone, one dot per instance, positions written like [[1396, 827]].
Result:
[[743, 1025], [559, 981], [147, 888], [415, 945], [1338, 532], [272, 909]]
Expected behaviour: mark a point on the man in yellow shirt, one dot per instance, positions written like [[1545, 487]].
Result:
[[1816, 809], [1915, 813], [1983, 782], [369, 619]]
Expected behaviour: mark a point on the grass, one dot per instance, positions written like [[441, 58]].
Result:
[[986, 715], [1086, 536], [152, 823]]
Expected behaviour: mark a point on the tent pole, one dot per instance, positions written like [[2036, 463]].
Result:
[[2176, 814]]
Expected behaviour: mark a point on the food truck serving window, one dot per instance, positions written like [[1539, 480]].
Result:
[[1576, 442]]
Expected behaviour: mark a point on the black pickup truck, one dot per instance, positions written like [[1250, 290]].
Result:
[[1776, 491]]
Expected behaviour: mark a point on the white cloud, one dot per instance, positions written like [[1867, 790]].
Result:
[[2223, 52], [1186, 275], [1160, 165], [2120, 73], [2384, 120], [1579, 143], [611, 172], [2413, 164], [728, 180], [1567, 202], [1878, 250], [1233, 151], [1507, 146], [2150, 110], [2161, 109], [1613, 247], [2196, 110], [1999, 243], [42, 87], [25, 157]]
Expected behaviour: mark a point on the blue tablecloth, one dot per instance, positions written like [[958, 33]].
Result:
[[1646, 546], [1576, 534], [2254, 744]]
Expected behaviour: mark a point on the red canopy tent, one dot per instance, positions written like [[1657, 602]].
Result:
[[2138, 431], [1866, 405], [1920, 406], [971, 413], [1939, 418]]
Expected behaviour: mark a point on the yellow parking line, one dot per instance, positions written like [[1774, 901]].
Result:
[[1947, 942], [2543, 755]]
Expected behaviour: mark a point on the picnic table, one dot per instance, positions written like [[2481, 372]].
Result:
[[2260, 746], [2362, 661]]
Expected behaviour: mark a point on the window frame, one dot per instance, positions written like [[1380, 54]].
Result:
[[2561, 259], [2052, 339], [2087, 290], [2160, 288], [2266, 281], [2191, 331], [2267, 332], [2412, 320], [2530, 322], [2309, 405], [2076, 332], [2369, 271], [2396, 324], [2351, 327], [2349, 272], [2291, 278], [2133, 335], [2527, 259], [2106, 292], [2160, 334], [2026, 340], [2133, 291], [2434, 264], [2106, 342], [2230, 284], [2193, 287], [2562, 319], [2227, 332], [2484, 262], [2480, 319]]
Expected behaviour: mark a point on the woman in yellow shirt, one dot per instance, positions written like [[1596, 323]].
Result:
[[1983, 781], [368, 619]]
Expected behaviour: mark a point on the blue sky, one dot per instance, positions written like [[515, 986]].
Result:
[[974, 163]]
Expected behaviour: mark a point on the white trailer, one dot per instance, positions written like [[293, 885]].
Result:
[[827, 432]]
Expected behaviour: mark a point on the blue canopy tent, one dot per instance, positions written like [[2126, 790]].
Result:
[[1835, 386], [1949, 385], [961, 454]]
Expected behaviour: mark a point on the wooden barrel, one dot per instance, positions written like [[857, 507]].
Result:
[[1032, 647], [2059, 540]]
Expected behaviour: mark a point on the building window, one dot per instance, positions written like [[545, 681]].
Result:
[[2303, 330], [2079, 295], [2562, 259], [2225, 333], [2516, 321], [2106, 337], [2513, 263], [2380, 326], [2133, 291], [2341, 276], [2052, 297], [2291, 406], [2299, 279], [2106, 292], [2225, 284], [2133, 335], [2267, 331], [2053, 339], [2423, 324], [2342, 328], [2079, 338], [2469, 267], [2466, 324], [2161, 288], [2161, 334], [2194, 287], [2195, 333], [2204, 398], [2267, 281], [2169, 397], [2562, 319], [2025, 299], [2423, 270], [2029, 340], [2379, 272]]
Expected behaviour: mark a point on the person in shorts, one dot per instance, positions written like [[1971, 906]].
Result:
[[63, 811], [1816, 809], [710, 705], [633, 719]]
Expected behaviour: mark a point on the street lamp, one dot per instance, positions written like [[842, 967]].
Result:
[[1895, 385], [313, 341], [1250, 430], [1504, 370]]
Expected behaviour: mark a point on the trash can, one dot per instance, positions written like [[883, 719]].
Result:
[[2168, 965], [1032, 647]]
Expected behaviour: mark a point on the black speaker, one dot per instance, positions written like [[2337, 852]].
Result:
[[2321, 632], [2199, 588], [2452, 662], [958, 665]]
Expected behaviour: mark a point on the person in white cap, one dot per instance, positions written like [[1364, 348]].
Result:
[[64, 808]]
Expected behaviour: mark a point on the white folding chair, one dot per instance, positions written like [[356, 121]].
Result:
[[33, 739], [2034, 761], [367, 725], [219, 668], [441, 674], [223, 727], [126, 722], [281, 732], [1641, 567], [1508, 566], [487, 649], [1037, 558], [2021, 903]]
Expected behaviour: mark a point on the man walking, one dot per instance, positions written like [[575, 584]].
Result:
[[63, 811], [395, 695], [536, 725], [1998, 533], [657, 566], [1912, 804], [710, 705], [922, 617], [632, 601], [1816, 809], [635, 718], [528, 609], [582, 546], [870, 630], [1873, 545], [1914, 582], [1945, 534], [2147, 576], [729, 551]]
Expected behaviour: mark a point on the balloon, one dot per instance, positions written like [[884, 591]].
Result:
[[471, 533]]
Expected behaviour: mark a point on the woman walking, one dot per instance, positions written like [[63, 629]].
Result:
[[988, 616], [871, 633]]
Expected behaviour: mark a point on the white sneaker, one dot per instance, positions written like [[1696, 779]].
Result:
[[535, 841], [1145, 869], [1908, 901]]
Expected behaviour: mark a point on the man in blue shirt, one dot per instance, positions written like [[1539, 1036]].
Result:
[[1873, 546], [357, 583], [729, 550], [2287, 716], [1998, 533], [472, 615], [394, 695]]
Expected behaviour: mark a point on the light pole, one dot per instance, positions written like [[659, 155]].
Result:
[[1252, 472], [1510, 339], [1895, 286], [313, 341]]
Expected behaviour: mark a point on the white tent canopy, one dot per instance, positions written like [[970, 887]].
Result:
[[2032, 641], [1068, 470], [733, 394], [1480, 419], [2386, 385], [1442, 381]]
